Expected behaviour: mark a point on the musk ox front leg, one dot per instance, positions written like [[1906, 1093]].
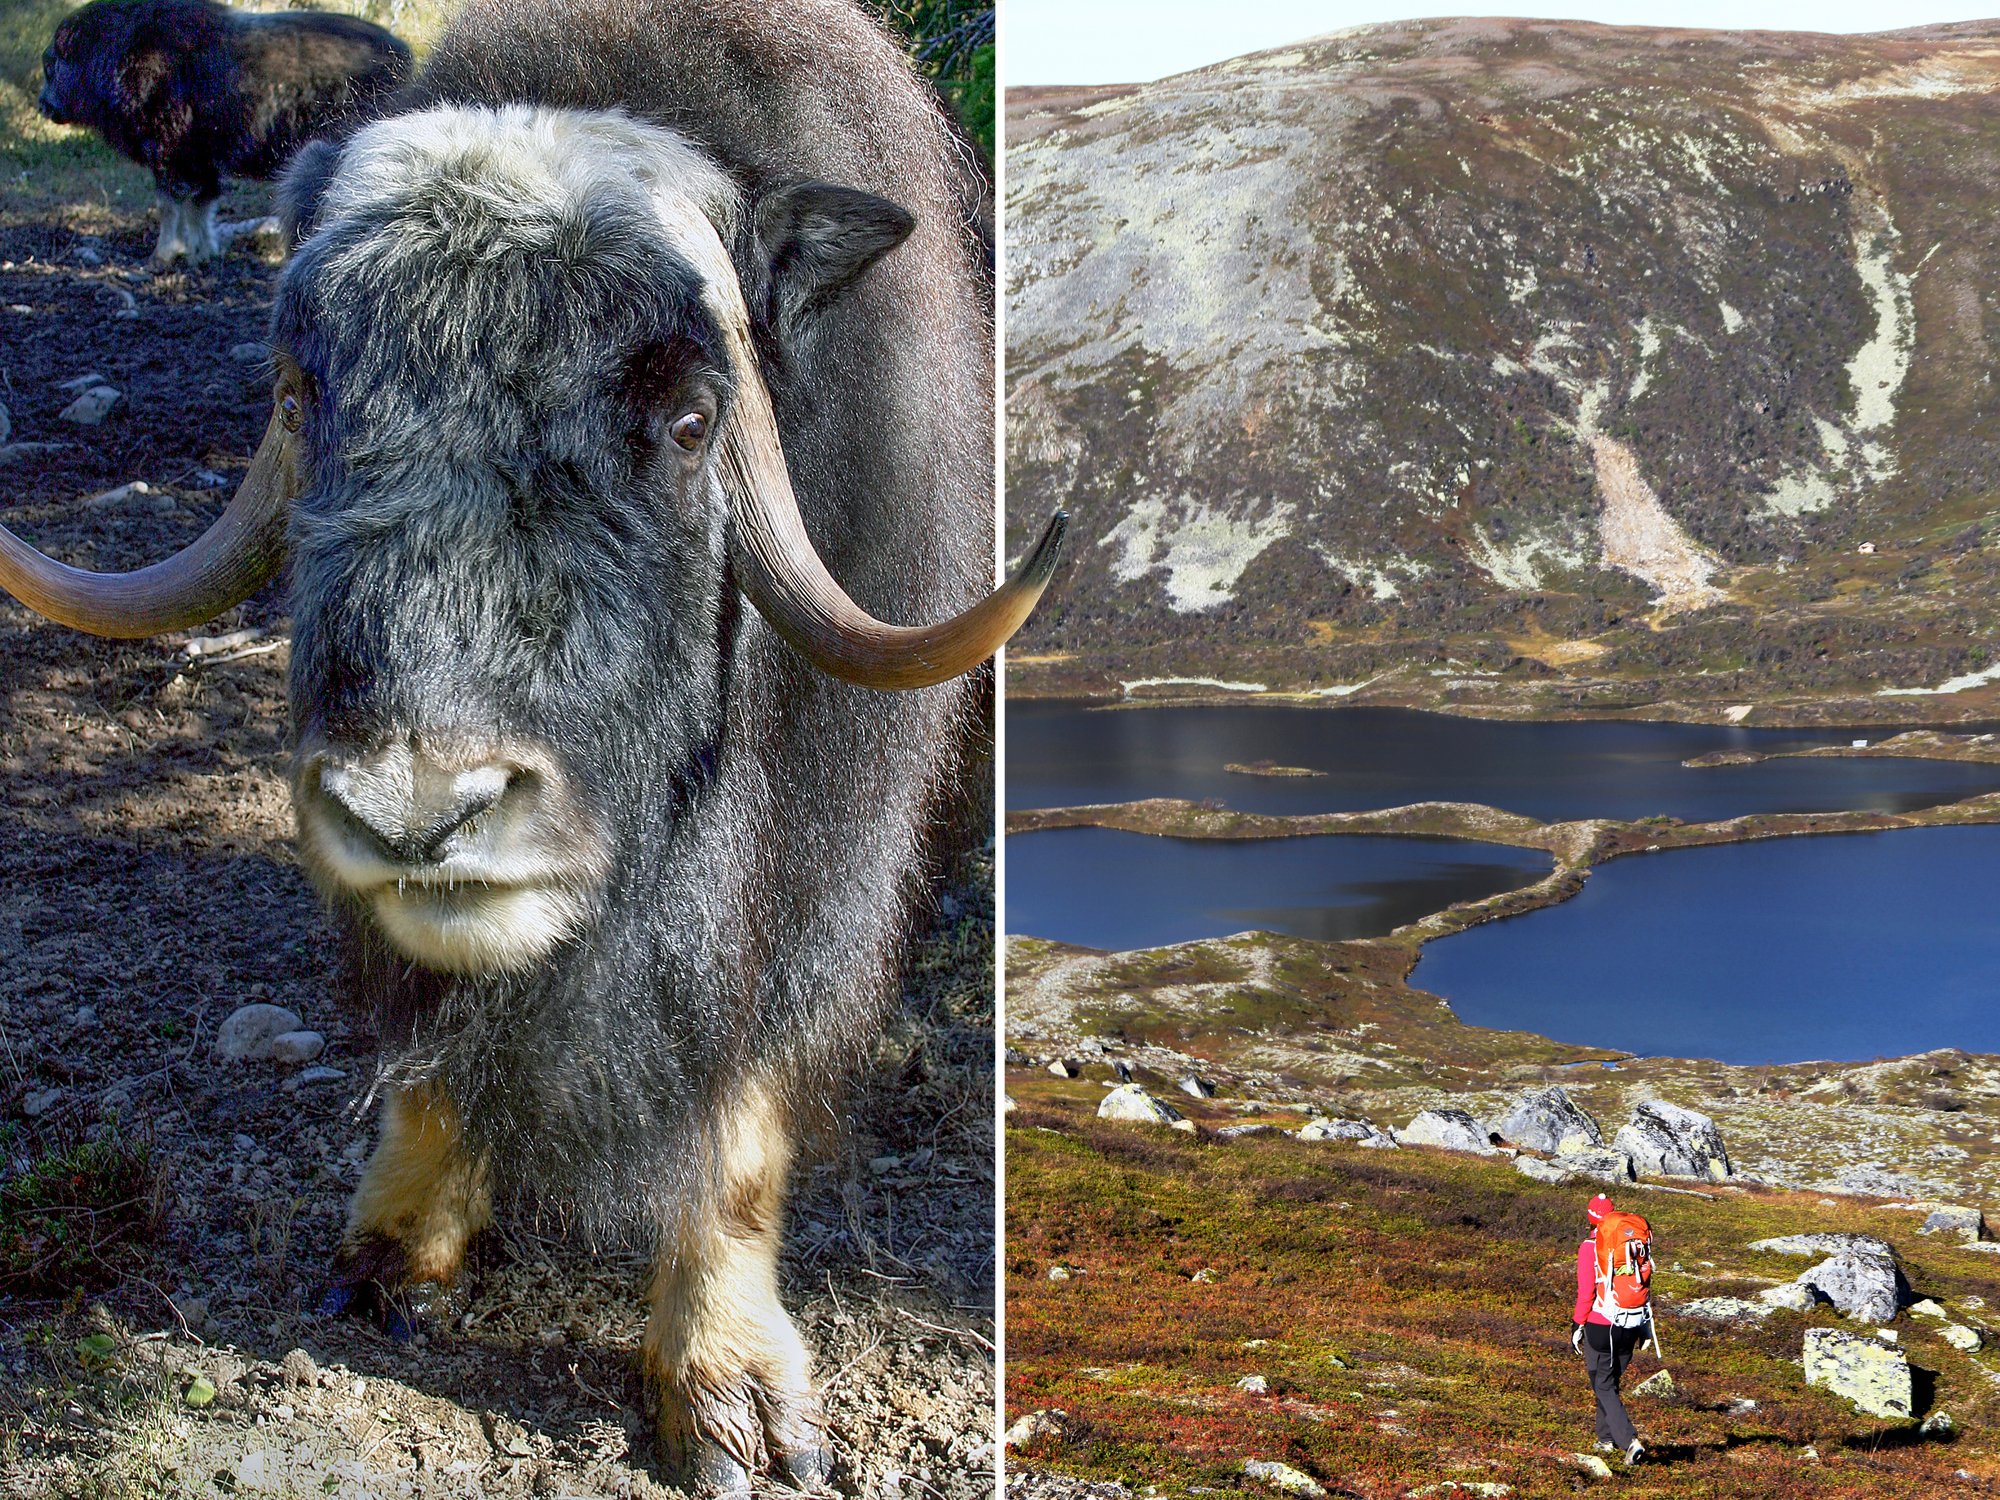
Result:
[[733, 1377], [420, 1202]]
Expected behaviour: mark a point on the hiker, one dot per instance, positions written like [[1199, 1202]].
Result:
[[1613, 1310]]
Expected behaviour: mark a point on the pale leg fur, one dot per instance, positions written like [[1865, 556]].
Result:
[[734, 1379], [172, 243], [422, 1193]]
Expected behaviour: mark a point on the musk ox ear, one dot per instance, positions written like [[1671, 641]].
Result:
[[303, 187], [813, 240]]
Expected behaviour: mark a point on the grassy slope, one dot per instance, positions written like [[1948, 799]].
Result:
[[1413, 1308]]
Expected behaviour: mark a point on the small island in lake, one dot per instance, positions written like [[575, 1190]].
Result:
[[1269, 768]]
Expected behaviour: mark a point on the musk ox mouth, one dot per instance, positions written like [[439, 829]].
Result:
[[476, 927], [470, 862]]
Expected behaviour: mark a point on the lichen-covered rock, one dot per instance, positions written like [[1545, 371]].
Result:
[[1658, 1385], [1871, 1374], [1334, 1130], [1867, 1288], [1665, 1140], [1826, 1244], [1960, 1337], [1795, 1295], [1131, 1103], [1604, 1163], [1967, 1224], [1453, 1129], [1537, 1170], [1239, 1132], [1051, 1422], [1381, 1142], [1543, 1119], [1723, 1309], [1283, 1477]]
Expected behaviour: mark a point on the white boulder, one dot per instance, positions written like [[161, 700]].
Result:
[[1867, 1288], [1453, 1129], [1544, 1119], [1604, 1163], [1131, 1103], [1665, 1140]]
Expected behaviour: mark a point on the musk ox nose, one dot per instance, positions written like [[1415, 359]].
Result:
[[408, 805]]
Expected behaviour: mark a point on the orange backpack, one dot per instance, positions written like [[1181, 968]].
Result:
[[1624, 1270]]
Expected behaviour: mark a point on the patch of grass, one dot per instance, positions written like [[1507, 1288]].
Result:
[[1409, 1313], [68, 1212]]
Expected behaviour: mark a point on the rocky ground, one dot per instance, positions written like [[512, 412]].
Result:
[[166, 1216]]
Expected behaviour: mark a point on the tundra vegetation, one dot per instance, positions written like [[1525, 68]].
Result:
[[155, 890], [1518, 368]]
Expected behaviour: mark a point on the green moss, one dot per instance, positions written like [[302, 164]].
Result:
[[63, 1216]]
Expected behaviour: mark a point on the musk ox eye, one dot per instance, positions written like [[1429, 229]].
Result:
[[290, 412], [689, 429]]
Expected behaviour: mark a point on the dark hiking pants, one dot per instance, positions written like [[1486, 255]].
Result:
[[1606, 1352]]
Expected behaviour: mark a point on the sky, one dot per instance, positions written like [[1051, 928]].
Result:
[[1136, 41]]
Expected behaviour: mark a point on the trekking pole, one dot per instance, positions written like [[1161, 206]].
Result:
[[1653, 1323]]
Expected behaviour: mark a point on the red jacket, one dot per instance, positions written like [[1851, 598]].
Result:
[[1586, 1284]]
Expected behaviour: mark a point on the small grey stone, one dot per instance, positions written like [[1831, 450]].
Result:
[[1796, 1295], [1960, 1337], [297, 1046], [1604, 1163], [1825, 1244], [1334, 1130], [1968, 1224], [1063, 1067], [85, 1017], [1537, 1170], [1937, 1424], [40, 1101], [248, 1033], [299, 1370], [91, 408], [1238, 1132], [1255, 1385], [1381, 1142], [1284, 1477], [1723, 1309], [1199, 1088]]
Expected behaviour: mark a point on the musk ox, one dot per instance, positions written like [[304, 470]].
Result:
[[629, 312], [191, 90]]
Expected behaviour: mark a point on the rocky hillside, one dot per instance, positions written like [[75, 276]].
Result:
[[1518, 366]]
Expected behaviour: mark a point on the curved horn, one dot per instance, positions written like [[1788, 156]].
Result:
[[782, 574], [225, 565]]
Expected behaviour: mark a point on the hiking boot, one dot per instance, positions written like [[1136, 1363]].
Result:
[[1634, 1453]]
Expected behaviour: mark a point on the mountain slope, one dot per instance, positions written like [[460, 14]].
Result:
[[1539, 366]]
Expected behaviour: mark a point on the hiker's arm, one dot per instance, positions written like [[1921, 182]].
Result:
[[1586, 1281]]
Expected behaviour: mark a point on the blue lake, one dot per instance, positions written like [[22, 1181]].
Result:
[[1827, 947], [1105, 888], [1844, 947], [1064, 755]]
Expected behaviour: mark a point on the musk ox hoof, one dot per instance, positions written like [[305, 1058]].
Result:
[[368, 1283], [708, 1469], [810, 1469]]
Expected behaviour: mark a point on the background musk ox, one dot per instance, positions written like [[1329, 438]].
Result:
[[601, 357], [193, 90]]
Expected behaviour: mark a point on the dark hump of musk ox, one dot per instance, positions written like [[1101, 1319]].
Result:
[[195, 91], [768, 824]]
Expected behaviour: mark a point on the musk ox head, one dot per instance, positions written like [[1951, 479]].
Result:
[[523, 457], [109, 65]]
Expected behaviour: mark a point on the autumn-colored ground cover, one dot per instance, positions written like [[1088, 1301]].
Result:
[[1409, 1313]]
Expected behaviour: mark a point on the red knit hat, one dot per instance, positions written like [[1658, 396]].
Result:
[[1597, 1208]]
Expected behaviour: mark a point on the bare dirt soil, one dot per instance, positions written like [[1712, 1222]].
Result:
[[148, 888]]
